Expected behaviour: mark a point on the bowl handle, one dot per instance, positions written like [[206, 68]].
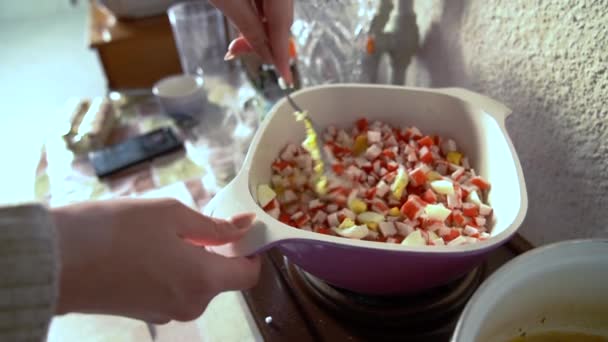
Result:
[[496, 109], [235, 199]]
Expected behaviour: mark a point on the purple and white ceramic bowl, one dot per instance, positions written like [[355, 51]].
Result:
[[476, 122]]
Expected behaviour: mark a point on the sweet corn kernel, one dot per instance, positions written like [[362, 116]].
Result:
[[373, 226], [394, 211], [357, 206], [454, 157], [360, 144], [433, 176]]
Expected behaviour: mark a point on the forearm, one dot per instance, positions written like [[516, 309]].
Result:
[[28, 272]]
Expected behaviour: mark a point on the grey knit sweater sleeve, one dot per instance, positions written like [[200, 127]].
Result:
[[28, 273]]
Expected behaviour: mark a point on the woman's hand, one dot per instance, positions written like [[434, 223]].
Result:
[[265, 27], [131, 257]]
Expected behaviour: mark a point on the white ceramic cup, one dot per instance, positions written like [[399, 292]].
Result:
[[559, 287], [181, 96]]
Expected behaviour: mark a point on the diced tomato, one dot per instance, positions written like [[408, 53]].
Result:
[[426, 141], [480, 183], [338, 169], [470, 210], [454, 233], [341, 217], [429, 196], [476, 235], [362, 124], [418, 176], [285, 218], [427, 158]]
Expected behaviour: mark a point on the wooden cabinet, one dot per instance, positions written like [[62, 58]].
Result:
[[135, 53]]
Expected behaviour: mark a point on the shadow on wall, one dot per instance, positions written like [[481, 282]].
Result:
[[554, 181], [440, 52]]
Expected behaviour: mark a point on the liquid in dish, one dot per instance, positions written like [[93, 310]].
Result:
[[393, 185], [559, 336]]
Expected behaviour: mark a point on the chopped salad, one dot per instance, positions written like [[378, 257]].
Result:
[[388, 184]]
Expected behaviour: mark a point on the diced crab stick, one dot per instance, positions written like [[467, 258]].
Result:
[[319, 217], [413, 207], [315, 204], [274, 212], [415, 133], [373, 152], [382, 189], [470, 231], [387, 228], [404, 228], [454, 201], [331, 208], [380, 207], [458, 218], [453, 234], [429, 196], [374, 137], [480, 183], [457, 174], [348, 213], [470, 209], [485, 210], [480, 221], [440, 203], [418, 176], [333, 220], [426, 141]]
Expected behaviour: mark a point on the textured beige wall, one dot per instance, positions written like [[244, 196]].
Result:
[[548, 61]]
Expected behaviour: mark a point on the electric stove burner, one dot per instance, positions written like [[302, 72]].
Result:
[[304, 308], [435, 310]]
